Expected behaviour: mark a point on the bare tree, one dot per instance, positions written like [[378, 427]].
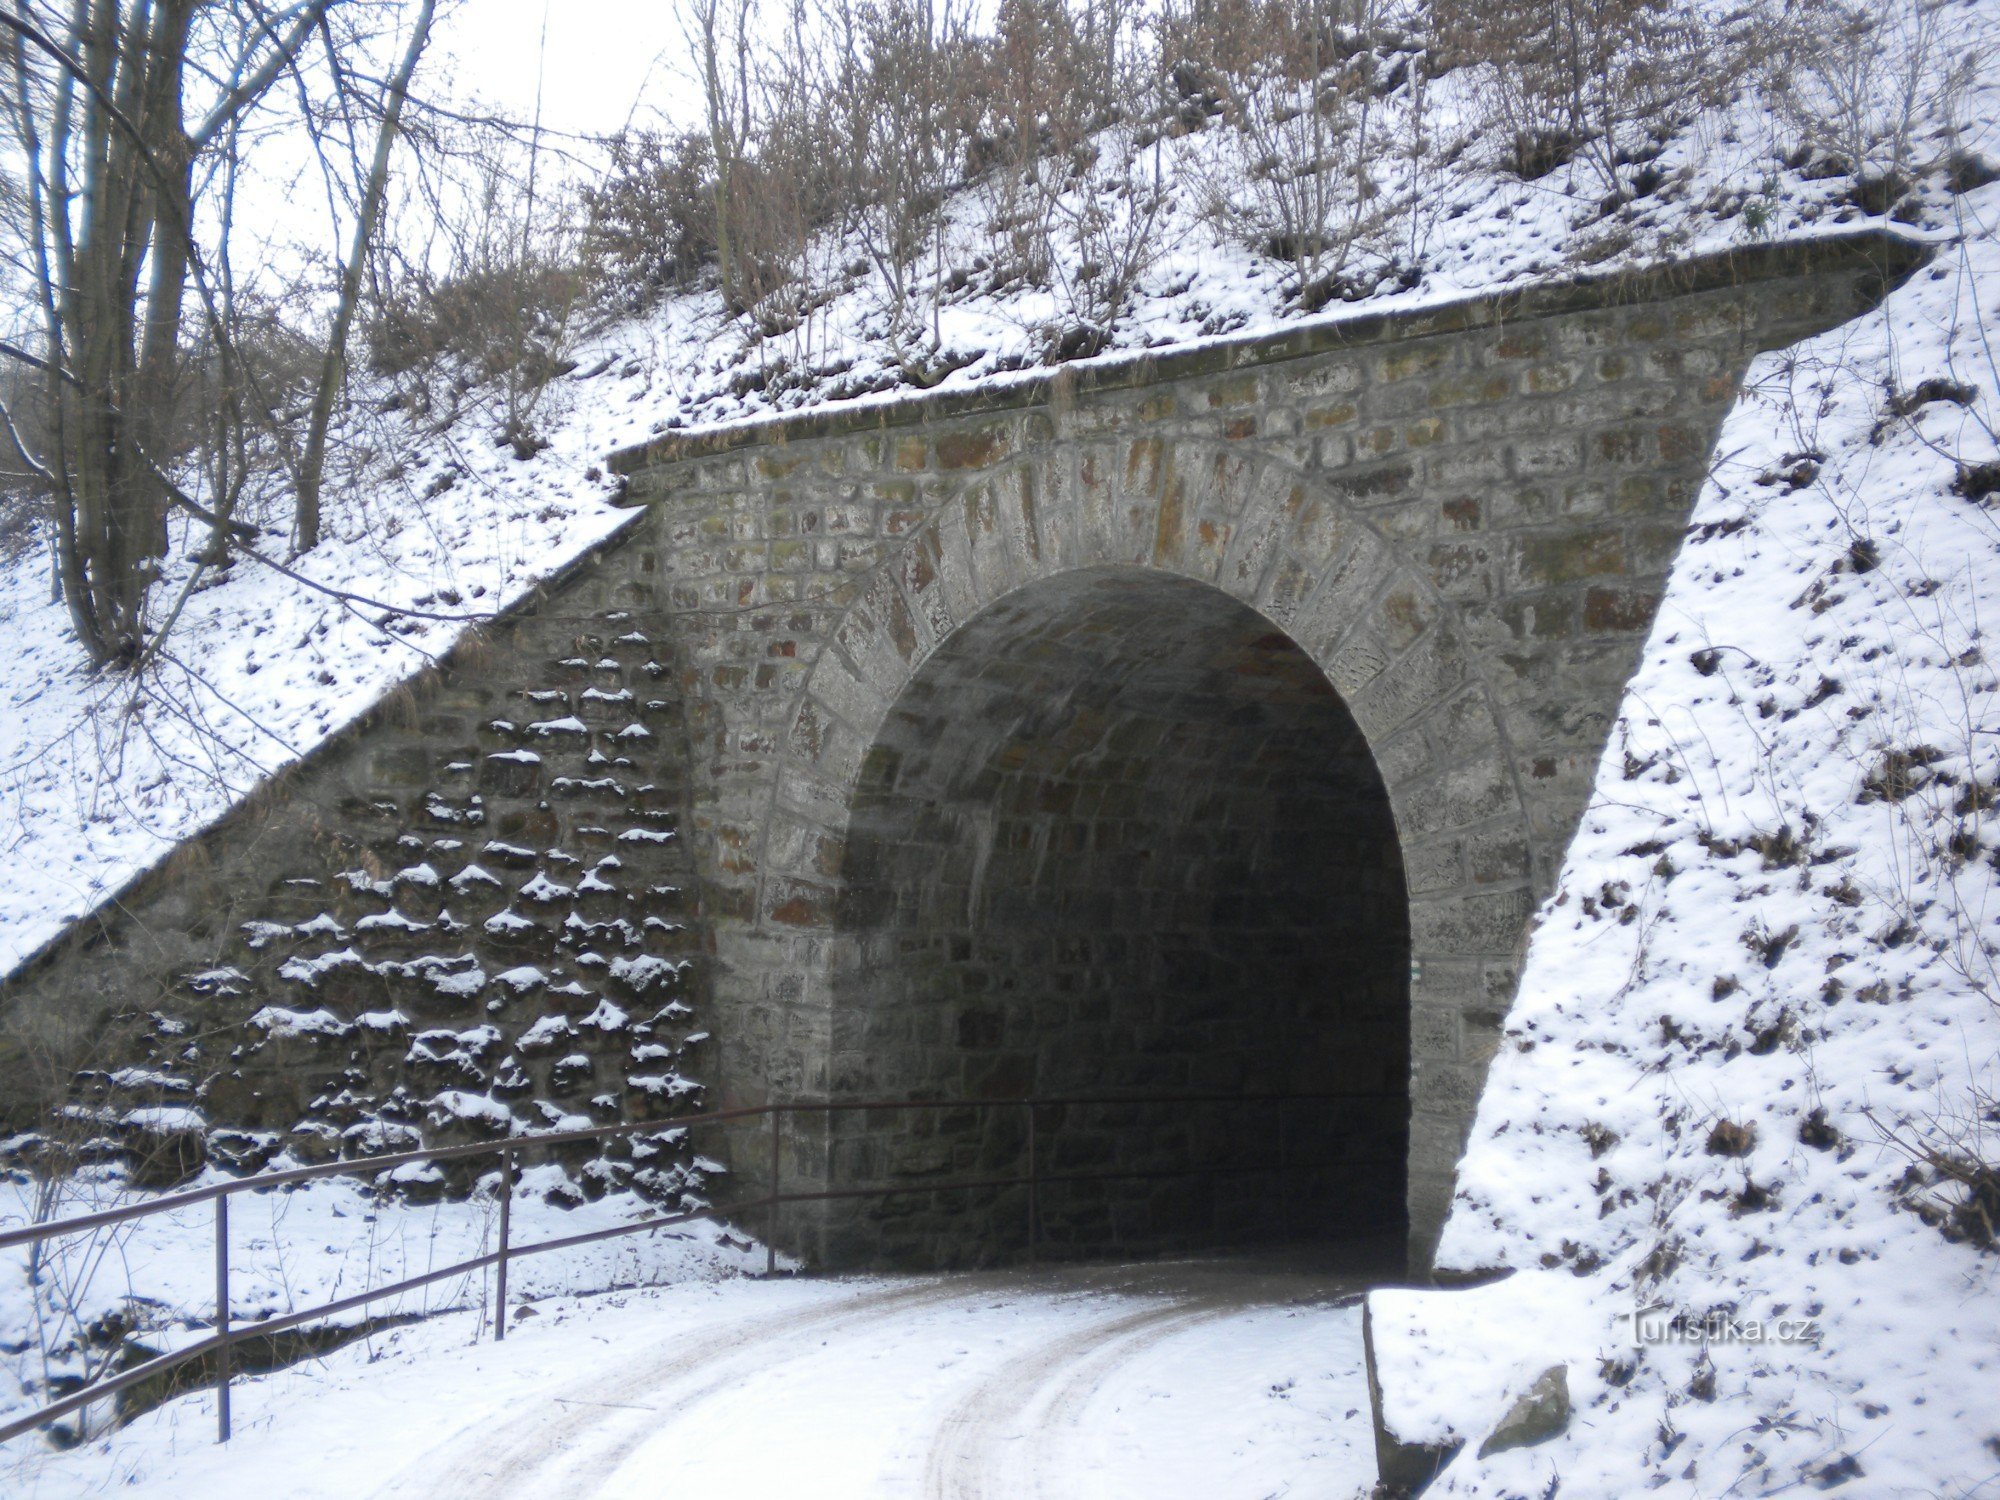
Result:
[[719, 36], [109, 143], [312, 463]]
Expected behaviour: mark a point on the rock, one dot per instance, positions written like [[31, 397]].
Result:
[[167, 1146], [1731, 1139], [1538, 1414], [1404, 1468], [254, 1098], [243, 1151], [313, 1142]]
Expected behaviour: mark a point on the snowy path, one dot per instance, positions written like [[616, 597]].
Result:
[[1212, 1380]]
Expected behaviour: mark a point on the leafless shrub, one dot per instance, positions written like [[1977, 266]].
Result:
[[1597, 83], [1112, 228], [1860, 88], [502, 306], [1031, 143], [771, 160], [720, 37], [1953, 1179], [906, 70], [789, 191], [829, 157], [652, 218], [25, 520], [1297, 87], [1073, 178]]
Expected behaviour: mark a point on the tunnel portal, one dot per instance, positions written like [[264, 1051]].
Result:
[[1119, 837], [904, 796]]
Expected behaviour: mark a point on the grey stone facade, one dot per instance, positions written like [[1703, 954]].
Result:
[[1207, 723]]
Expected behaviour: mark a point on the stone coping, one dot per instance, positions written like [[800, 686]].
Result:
[[1889, 252]]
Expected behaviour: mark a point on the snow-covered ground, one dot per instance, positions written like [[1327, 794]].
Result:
[[1763, 1007], [299, 1248], [1203, 1382]]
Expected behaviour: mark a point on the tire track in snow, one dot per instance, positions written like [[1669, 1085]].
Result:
[[998, 1443], [577, 1436], [929, 1388]]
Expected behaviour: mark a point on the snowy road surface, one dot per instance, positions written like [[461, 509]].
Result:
[[1210, 1379]]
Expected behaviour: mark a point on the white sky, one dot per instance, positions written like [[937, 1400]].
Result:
[[605, 59], [607, 63]]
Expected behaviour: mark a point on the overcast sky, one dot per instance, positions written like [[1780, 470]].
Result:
[[604, 58]]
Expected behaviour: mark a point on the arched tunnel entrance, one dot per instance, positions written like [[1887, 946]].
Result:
[[1119, 837]]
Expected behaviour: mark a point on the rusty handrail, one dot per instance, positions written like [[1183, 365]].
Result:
[[226, 1336]]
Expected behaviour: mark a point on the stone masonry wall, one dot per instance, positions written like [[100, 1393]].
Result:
[[1464, 516], [470, 918]]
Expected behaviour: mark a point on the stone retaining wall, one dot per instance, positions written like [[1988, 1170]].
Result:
[[472, 916]]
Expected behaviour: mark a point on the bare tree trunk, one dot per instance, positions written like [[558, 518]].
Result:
[[131, 65], [110, 174], [333, 370], [717, 38]]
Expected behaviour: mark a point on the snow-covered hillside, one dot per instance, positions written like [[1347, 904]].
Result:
[[442, 525], [1757, 1033]]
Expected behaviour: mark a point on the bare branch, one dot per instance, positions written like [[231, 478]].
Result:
[[284, 51]]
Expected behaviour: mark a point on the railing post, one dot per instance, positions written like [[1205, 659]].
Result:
[[771, 1215], [1034, 1205], [224, 1349], [500, 1265]]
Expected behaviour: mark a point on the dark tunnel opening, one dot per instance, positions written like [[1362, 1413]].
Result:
[[1120, 837]]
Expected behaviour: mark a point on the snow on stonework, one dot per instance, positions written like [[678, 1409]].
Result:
[[1764, 991], [100, 778]]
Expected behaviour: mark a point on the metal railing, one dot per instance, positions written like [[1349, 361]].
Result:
[[227, 1334]]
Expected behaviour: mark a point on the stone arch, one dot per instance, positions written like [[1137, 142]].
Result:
[[1300, 555], [1119, 837], [1280, 542]]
